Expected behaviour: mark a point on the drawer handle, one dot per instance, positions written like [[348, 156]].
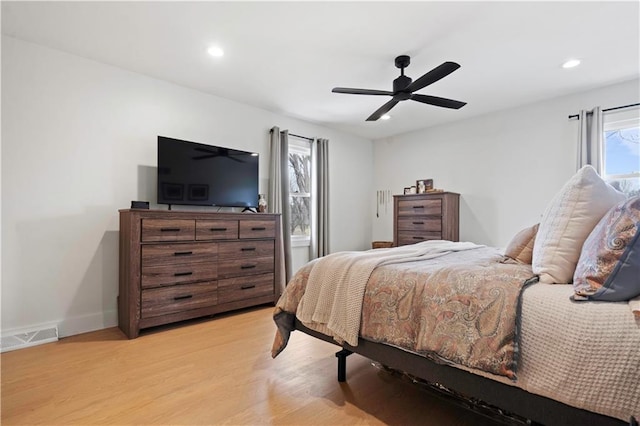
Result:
[[188, 296], [248, 249], [258, 228], [169, 229], [418, 238], [182, 253], [217, 229], [182, 274], [247, 266], [418, 207], [418, 223], [247, 287]]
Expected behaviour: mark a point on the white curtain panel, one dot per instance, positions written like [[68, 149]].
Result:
[[320, 208], [278, 197], [590, 139]]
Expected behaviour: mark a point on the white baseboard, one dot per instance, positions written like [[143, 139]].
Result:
[[87, 323]]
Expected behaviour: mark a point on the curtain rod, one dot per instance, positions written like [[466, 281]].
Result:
[[608, 109], [296, 136], [301, 137]]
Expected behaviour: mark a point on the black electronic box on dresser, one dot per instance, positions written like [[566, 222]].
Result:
[[421, 217], [178, 265]]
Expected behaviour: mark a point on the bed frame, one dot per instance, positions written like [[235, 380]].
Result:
[[537, 409]]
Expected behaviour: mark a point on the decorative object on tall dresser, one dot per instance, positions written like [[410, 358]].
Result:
[[421, 217], [424, 185], [428, 183], [407, 190], [181, 265]]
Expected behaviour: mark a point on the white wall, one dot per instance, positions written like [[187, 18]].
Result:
[[79, 143], [506, 165]]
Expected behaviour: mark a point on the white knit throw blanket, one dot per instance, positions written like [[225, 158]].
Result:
[[332, 302]]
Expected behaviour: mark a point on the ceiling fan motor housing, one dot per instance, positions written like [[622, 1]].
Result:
[[399, 85]]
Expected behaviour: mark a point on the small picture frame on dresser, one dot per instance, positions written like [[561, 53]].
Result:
[[407, 191], [424, 185]]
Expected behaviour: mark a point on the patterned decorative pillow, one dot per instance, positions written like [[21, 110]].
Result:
[[609, 265], [568, 221], [520, 248]]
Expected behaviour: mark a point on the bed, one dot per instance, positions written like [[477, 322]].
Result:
[[491, 328]]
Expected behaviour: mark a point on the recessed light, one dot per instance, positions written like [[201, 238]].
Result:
[[571, 63], [215, 51], [385, 117]]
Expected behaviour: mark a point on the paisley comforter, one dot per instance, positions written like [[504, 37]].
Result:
[[460, 308]]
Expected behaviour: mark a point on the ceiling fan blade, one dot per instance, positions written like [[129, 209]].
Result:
[[210, 151], [441, 102], [434, 75], [350, 91], [383, 110]]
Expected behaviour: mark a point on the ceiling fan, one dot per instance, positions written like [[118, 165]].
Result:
[[403, 88]]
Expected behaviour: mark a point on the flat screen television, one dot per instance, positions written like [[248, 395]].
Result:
[[191, 173]]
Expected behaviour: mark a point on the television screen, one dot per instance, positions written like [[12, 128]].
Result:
[[197, 174]]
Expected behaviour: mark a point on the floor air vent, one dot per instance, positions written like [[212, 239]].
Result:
[[32, 338]]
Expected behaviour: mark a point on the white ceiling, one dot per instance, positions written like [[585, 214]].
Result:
[[287, 56]]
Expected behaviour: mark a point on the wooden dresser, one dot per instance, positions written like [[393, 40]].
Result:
[[181, 265], [421, 217]]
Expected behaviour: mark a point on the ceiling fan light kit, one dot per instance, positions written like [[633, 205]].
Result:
[[403, 88]]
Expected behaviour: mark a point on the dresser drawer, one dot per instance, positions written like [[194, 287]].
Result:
[[245, 249], [419, 207], [216, 230], [168, 230], [171, 254], [240, 267], [256, 228], [412, 237], [233, 289], [163, 275], [418, 223], [178, 298]]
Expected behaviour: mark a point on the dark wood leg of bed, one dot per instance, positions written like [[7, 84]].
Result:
[[342, 364]]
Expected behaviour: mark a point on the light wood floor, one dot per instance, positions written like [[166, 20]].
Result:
[[217, 371]]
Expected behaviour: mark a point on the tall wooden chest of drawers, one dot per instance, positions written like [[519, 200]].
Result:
[[421, 217], [181, 265]]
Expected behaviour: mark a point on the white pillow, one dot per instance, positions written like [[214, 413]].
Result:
[[568, 221]]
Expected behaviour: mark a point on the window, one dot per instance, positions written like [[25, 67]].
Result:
[[621, 150], [300, 192]]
